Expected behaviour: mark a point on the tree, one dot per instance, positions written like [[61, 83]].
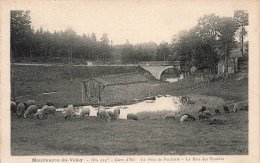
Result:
[[226, 37], [207, 30], [207, 33], [21, 38], [21, 33], [105, 48], [194, 51], [93, 37], [68, 39], [163, 51], [241, 19], [145, 51], [207, 27], [94, 47], [128, 53]]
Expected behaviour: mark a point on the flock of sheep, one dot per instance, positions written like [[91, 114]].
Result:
[[203, 113], [30, 109]]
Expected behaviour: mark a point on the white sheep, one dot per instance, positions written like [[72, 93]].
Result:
[[43, 113], [51, 110], [235, 107], [132, 116], [84, 111], [111, 114], [13, 108], [104, 116], [69, 111], [117, 113], [100, 109], [32, 109], [29, 103], [20, 109], [184, 118], [39, 111], [169, 116]]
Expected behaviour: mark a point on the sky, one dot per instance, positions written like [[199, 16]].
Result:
[[135, 21]]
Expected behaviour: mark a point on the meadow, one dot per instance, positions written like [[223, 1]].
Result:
[[149, 136], [55, 136]]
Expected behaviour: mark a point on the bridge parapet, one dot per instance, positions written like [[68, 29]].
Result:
[[160, 63], [156, 63]]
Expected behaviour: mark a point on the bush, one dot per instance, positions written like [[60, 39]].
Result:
[[198, 101]]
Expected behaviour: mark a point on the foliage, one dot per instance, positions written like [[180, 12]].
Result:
[[25, 42], [205, 44], [226, 28], [163, 52], [21, 33], [241, 19], [140, 52], [202, 46]]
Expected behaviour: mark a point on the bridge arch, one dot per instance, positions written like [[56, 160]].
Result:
[[170, 73], [157, 71]]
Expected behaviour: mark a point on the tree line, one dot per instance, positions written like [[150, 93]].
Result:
[[27, 42], [211, 40]]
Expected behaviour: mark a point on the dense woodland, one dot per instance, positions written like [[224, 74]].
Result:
[[211, 40]]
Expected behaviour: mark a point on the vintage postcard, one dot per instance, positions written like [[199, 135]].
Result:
[[130, 81]]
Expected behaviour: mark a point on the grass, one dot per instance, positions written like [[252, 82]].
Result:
[[230, 90], [149, 136], [55, 136], [153, 115]]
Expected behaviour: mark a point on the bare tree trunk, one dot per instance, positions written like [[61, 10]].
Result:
[[69, 55], [30, 51], [164, 56], [41, 50], [242, 40], [71, 66], [226, 61]]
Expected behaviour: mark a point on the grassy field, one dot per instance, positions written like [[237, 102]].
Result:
[[60, 83], [35, 82], [56, 136]]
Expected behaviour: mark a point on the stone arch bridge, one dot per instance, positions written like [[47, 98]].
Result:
[[156, 68]]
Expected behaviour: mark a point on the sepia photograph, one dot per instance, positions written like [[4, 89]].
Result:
[[129, 78]]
